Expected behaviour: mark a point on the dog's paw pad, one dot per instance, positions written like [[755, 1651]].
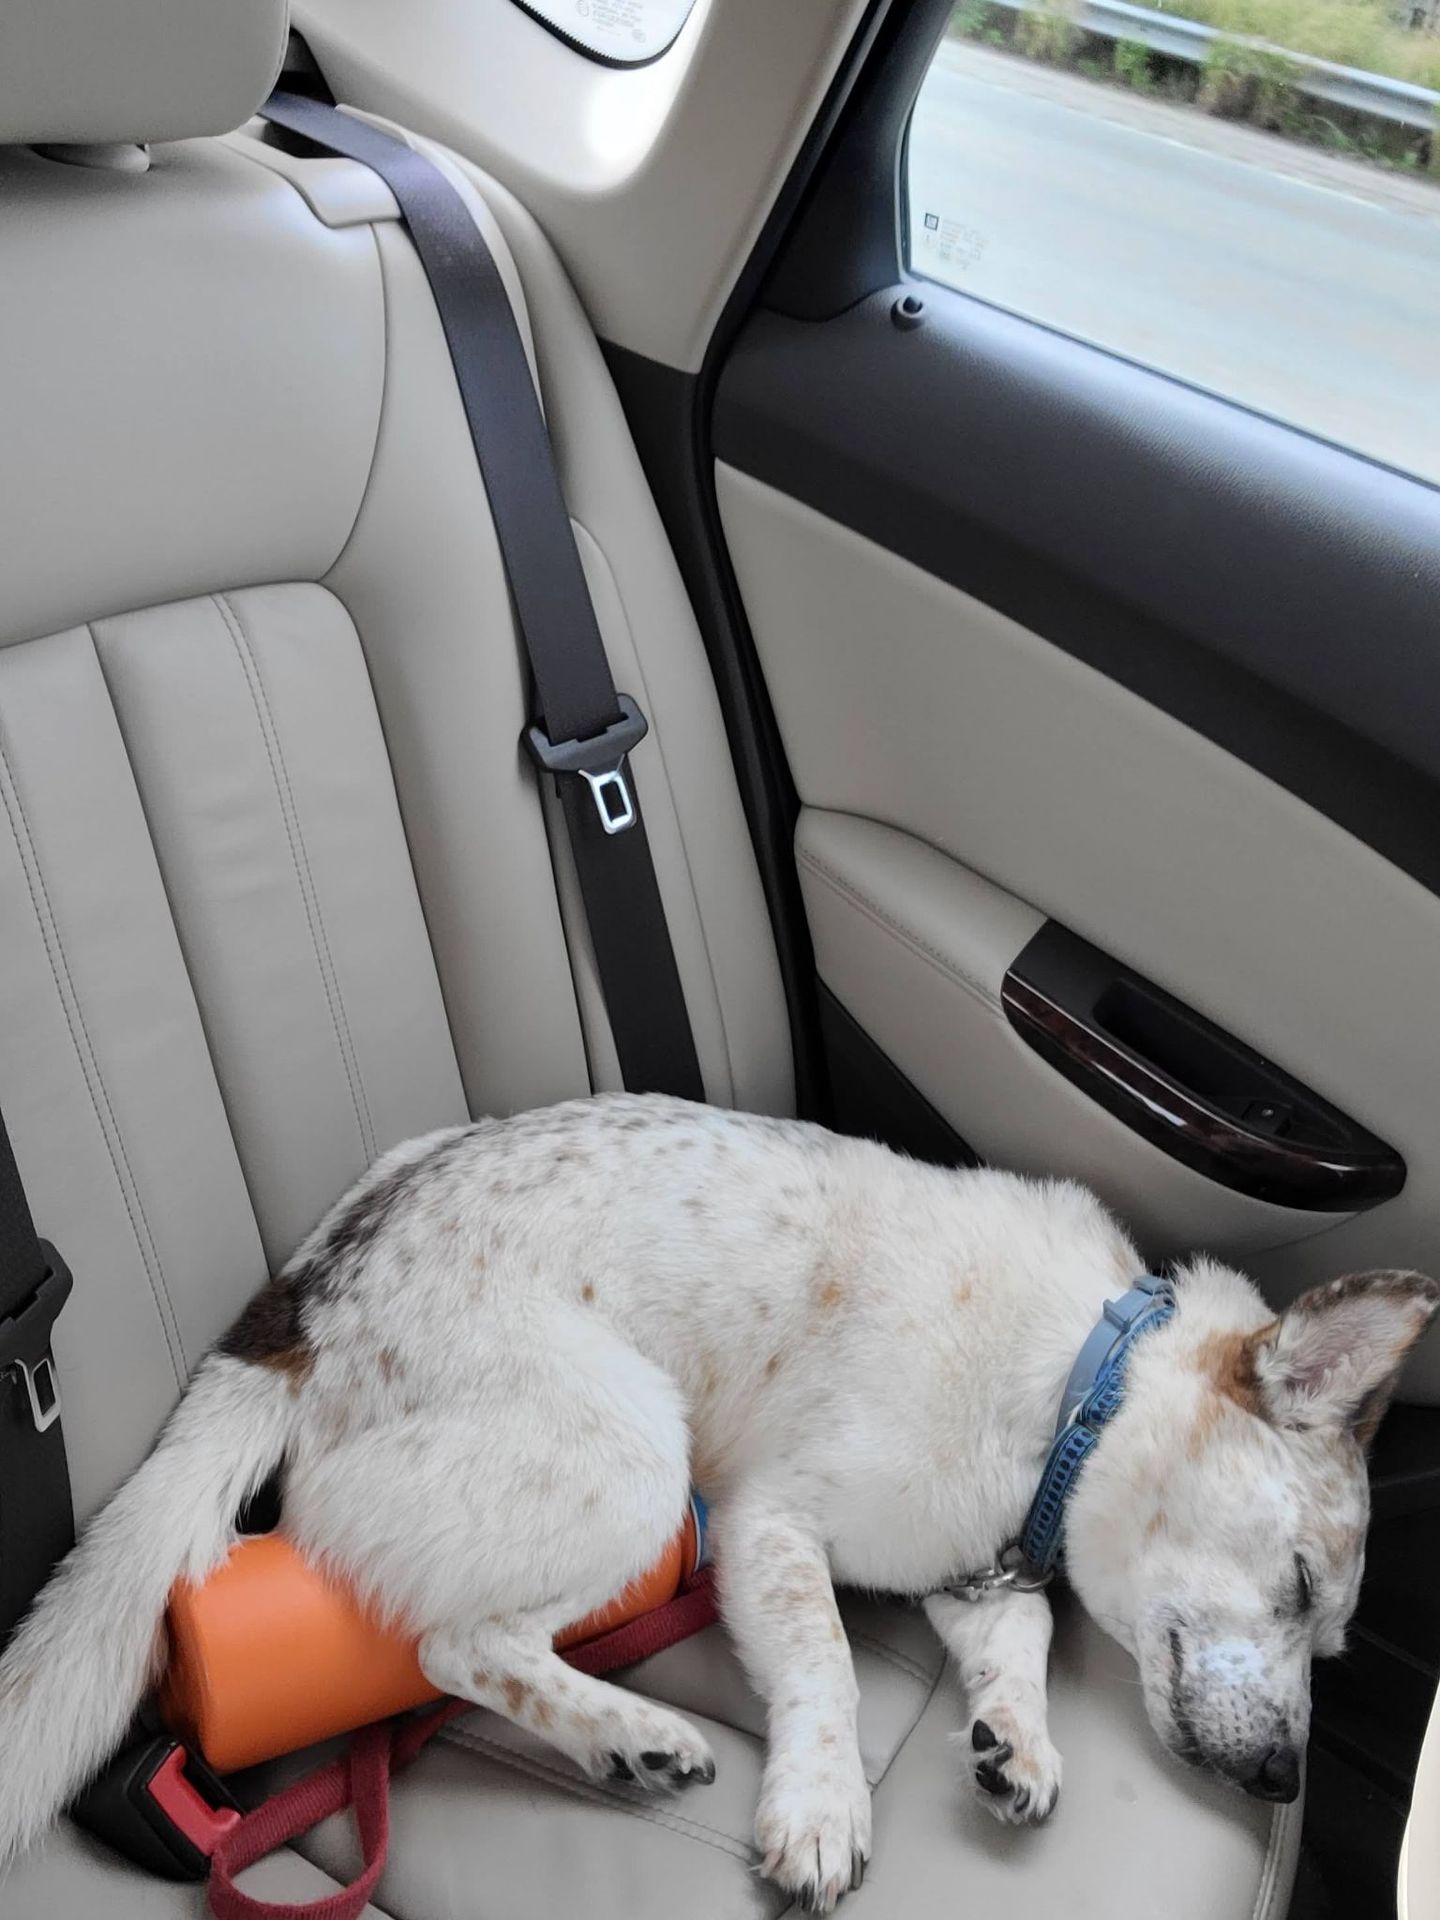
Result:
[[659, 1764], [1018, 1779]]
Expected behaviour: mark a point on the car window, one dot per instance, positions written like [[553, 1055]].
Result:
[[1246, 198]]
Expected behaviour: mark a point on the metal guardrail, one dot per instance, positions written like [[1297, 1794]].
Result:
[[1371, 93]]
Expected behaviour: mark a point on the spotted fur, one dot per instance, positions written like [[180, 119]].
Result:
[[495, 1367]]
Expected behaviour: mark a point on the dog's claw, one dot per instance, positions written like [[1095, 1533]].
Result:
[[857, 1871], [705, 1774], [1018, 1791]]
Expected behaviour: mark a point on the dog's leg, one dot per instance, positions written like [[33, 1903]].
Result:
[[812, 1825], [511, 1667], [1001, 1645]]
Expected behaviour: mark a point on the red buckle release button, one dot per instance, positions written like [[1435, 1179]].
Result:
[[185, 1807]]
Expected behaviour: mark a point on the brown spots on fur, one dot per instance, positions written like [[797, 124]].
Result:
[[517, 1692], [271, 1332], [828, 1287], [587, 1293], [1202, 1428], [1156, 1524], [1340, 1540], [1228, 1363], [480, 1680], [762, 1309], [773, 1365], [960, 1293], [541, 1713], [388, 1361], [294, 1364], [709, 1381]]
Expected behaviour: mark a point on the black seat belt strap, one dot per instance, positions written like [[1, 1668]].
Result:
[[37, 1525], [585, 729]]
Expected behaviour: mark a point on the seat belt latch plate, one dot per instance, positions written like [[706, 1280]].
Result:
[[25, 1341], [599, 761]]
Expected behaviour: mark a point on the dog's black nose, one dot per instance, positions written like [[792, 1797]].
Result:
[[1277, 1777]]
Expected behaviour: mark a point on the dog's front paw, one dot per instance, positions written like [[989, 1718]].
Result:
[[813, 1832], [1016, 1774]]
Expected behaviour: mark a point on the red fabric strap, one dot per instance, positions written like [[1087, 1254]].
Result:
[[362, 1777]]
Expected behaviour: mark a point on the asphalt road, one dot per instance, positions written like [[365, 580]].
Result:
[[1301, 284]]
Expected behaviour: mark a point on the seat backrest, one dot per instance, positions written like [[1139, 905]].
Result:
[[276, 886]]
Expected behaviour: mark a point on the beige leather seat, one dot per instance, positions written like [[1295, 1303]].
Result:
[[276, 890]]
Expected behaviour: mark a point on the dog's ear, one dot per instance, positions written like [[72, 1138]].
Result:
[[1333, 1357]]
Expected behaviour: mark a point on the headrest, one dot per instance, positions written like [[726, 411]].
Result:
[[82, 72]]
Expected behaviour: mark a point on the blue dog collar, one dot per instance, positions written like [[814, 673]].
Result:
[[1093, 1392]]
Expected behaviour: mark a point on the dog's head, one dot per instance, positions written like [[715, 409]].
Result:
[[1218, 1528]]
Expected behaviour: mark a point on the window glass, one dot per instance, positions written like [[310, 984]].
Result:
[[1246, 197], [623, 33]]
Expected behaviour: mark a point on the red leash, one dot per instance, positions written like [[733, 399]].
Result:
[[362, 1777]]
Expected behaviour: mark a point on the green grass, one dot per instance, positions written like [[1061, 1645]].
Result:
[[1250, 72], [1352, 33]]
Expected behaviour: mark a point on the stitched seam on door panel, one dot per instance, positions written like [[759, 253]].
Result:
[[304, 878], [915, 941], [89, 1064]]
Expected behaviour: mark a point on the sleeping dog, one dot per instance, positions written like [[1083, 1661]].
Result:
[[496, 1367]]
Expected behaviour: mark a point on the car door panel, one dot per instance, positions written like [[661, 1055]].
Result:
[[962, 777]]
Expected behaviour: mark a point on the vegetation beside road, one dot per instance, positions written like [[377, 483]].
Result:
[[1250, 72]]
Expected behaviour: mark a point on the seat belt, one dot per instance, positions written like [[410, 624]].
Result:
[[37, 1526], [584, 729]]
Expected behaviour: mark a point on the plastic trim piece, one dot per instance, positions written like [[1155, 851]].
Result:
[[1242, 1122]]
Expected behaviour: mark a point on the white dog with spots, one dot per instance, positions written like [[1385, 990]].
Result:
[[495, 1369]]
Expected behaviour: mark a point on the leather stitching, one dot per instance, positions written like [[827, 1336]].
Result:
[[891, 1655], [583, 1789], [917, 942], [1270, 1872], [89, 1065], [304, 878]]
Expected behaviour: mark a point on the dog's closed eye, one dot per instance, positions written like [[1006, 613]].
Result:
[[1304, 1585]]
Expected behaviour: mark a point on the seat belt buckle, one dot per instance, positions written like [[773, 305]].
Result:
[[161, 1807], [25, 1341], [599, 761]]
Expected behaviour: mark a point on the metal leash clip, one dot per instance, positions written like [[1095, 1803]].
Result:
[[1011, 1573]]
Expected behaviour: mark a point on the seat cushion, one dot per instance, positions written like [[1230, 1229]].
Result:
[[490, 1820]]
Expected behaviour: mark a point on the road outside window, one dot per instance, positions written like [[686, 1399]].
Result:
[[1246, 197]]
